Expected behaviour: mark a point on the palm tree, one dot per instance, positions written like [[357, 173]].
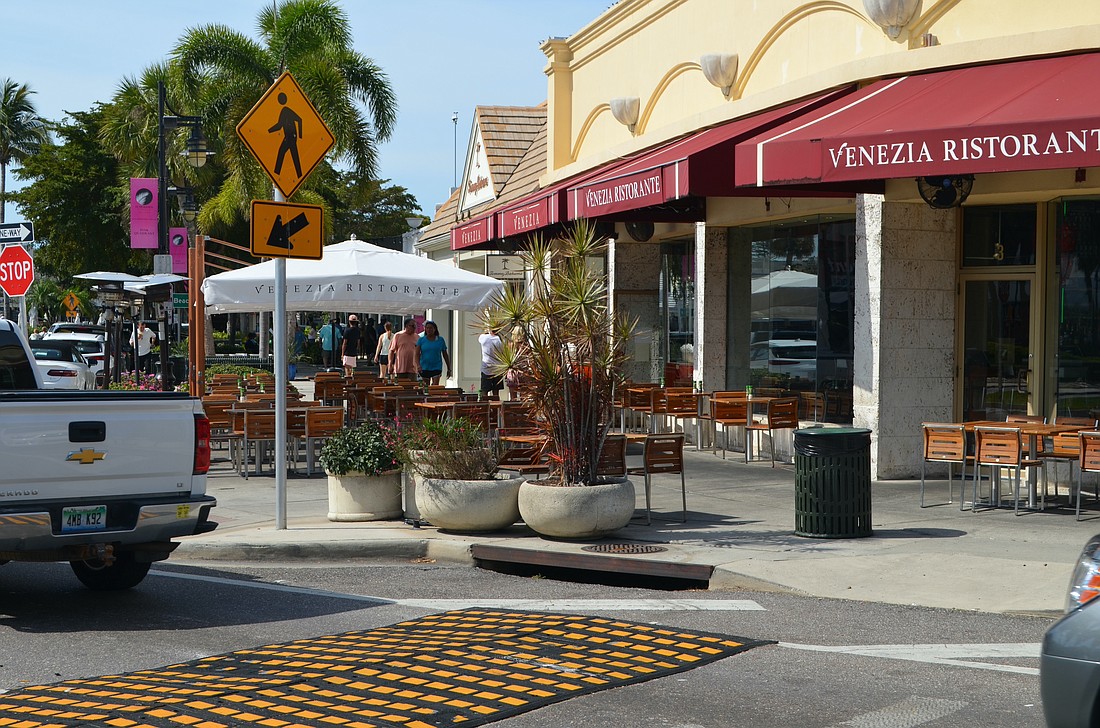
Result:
[[220, 74], [22, 130]]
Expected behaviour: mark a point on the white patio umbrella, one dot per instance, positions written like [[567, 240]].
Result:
[[352, 275], [785, 293]]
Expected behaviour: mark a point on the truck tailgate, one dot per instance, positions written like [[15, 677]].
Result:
[[97, 444]]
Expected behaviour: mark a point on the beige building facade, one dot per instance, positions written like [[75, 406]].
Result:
[[763, 168]]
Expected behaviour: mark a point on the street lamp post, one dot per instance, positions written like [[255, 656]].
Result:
[[196, 157]]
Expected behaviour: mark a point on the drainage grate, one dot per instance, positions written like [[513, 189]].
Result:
[[624, 548]]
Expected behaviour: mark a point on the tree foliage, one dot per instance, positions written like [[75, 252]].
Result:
[[22, 130], [78, 203]]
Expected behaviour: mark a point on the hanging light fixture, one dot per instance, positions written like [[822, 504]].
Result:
[[720, 69], [891, 15], [625, 110]]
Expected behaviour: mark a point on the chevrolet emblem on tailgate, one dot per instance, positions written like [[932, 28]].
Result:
[[87, 456]]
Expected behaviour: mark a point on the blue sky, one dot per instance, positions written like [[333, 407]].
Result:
[[441, 56]]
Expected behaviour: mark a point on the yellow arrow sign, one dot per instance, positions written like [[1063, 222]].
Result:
[[285, 134], [281, 230]]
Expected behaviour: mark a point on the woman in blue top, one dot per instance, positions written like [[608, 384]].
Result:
[[433, 354]]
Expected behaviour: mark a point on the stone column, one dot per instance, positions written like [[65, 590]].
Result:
[[711, 256], [905, 288], [634, 274]]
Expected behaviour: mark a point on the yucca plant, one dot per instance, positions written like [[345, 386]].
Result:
[[565, 347]]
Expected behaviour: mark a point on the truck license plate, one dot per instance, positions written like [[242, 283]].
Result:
[[83, 518]]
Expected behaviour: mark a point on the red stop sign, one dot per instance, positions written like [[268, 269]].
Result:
[[16, 270]]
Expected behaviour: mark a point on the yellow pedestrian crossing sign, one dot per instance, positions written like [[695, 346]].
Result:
[[285, 134], [71, 302]]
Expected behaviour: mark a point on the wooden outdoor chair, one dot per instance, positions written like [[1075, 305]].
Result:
[[996, 448], [682, 406], [612, 462], [525, 459], [945, 443], [782, 415], [259, 431], [1088, 462], [481, 414], [320, 424], [662, 454], [221, 428], [728, 413]]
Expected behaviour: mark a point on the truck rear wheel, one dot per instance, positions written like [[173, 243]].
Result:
[[124, 573]]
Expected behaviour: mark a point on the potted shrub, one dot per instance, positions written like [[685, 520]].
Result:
[[364, 475], [571, 353], [450, 480]]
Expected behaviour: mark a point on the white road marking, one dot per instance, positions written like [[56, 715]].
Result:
[[576, 605], [910, 712], [940, 654]]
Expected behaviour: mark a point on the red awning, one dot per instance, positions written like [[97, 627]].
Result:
[[1009, 117], [476, 231], [698, 165]]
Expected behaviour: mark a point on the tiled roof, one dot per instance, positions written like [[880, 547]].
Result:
[[507, 132]]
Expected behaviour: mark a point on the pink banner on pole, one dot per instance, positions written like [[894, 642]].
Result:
[[177, 246], [144, 204]]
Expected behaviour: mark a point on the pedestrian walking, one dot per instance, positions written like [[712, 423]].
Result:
[[491, 383], [382, 349], [403, 352], [349, 348], [433, 354], [330, 335]]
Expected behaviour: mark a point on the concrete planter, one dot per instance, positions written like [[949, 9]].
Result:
[[580, 512], [469, 506], [359, 497]]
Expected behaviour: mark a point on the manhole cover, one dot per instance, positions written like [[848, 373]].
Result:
[[624, 548]]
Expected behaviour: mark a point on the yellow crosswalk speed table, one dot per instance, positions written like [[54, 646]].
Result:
[[282, 230], [285, 134]]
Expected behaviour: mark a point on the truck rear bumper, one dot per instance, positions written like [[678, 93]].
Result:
[[39, 529]]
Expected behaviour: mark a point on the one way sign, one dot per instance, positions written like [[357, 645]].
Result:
[[280, 230], [17, 232]]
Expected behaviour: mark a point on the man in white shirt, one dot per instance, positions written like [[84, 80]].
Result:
[[491, 384], [142, 340]]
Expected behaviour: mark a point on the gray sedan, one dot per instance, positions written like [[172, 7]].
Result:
[[1069, 673]]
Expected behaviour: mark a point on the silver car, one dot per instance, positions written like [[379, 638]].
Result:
[[1069, 670]]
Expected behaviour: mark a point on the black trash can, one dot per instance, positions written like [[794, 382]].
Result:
[[832, 482]]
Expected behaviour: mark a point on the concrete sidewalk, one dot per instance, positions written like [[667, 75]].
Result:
[[740, 521]]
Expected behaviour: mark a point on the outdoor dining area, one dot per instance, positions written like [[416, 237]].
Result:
[[1022, 447]]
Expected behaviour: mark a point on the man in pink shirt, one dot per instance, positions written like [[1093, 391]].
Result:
[[403, 352]]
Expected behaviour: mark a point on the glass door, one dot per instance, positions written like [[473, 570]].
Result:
[[998, 373]]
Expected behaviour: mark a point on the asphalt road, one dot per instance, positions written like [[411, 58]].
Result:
[[836, 662]]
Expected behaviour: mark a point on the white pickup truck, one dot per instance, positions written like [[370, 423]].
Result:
[[102, 479]]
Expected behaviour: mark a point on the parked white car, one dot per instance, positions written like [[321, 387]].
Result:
[[61, 365], [795, 357], [92, 346]]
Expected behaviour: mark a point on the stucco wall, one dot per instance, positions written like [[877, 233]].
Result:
[[905, 327], [787, 49]]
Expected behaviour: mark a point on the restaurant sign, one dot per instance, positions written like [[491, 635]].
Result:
[[629, 192], [520, 220], [472, 233], [1038, 147]]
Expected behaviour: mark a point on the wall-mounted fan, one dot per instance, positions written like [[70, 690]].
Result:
[[640, 231], [945, 191]]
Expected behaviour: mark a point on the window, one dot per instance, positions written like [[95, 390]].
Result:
[[801, 309], [1077, 252]]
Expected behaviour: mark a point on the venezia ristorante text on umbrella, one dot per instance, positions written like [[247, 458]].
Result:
[[361, 288]]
